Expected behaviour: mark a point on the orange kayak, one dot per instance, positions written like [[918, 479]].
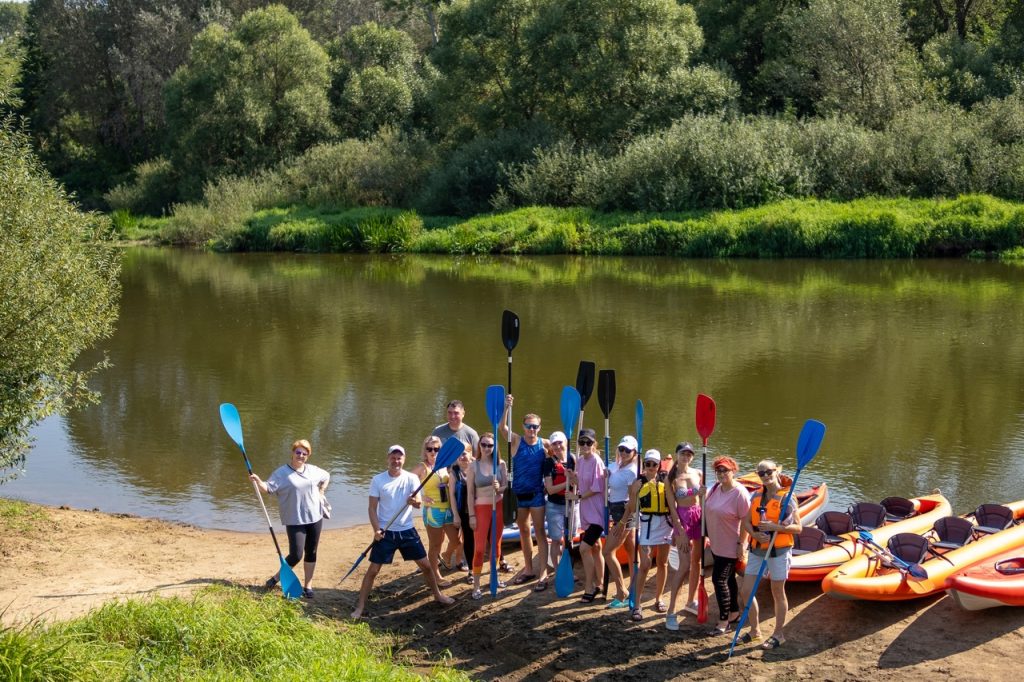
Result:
[[816, 565], [998, 581], [866, 577]]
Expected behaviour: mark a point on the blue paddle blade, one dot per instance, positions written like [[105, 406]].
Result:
[[570, 410], [640, 427], [564, 580], [290, 584], [809, 441], [232, 423], [495, 404], [450, 451]]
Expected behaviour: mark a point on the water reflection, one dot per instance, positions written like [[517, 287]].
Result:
[[914, 367]]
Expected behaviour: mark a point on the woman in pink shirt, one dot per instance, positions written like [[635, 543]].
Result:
[[725, 507], [589, 479]]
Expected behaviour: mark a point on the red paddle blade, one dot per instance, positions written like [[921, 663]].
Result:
[[705, 417], [702, 603]]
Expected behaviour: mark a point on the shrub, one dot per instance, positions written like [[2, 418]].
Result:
[[152, 191]]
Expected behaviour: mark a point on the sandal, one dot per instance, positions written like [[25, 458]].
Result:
[[503, 567], [772, 643], [271, 582], [660, 607], [540, 586], [477, 594], [520, 579], [638, 614], [587, 597], [748, 638], [719, 630]]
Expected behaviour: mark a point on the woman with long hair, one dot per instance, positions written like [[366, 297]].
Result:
[[438, 518], [486, 487], [684, 482]]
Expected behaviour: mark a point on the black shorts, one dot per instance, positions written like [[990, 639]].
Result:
[[616, 510], [405, 541], [592, 535]]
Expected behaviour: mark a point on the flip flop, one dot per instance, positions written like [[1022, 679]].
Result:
[[748, 638], [587, 597], [540, 586], [520, 579], [771, 643], [638, 614], [660, 607]]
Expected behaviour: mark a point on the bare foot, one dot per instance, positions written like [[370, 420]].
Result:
[[356, 614], [444, 599]]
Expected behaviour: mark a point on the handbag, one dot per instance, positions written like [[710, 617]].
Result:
[[325, 506]]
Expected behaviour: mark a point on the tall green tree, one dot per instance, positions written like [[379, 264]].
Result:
[[58, 295], [247, 98]]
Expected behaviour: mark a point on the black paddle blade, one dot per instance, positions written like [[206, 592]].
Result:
[[606, 390], [509, 330], [585, 381]]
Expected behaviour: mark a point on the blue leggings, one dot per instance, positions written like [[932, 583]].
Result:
[[304, 537]]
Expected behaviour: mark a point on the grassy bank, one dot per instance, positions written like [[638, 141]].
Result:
[[218, 634], [864, 228]]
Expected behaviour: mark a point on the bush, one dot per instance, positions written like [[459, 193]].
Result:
[[227, 204], [366, 230], [152, 191]]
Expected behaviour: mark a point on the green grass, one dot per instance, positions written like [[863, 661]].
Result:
[[975, 225], [218, 634], [19, 517]]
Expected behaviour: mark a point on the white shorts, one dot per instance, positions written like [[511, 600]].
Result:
[[655, 530], [778, 565]]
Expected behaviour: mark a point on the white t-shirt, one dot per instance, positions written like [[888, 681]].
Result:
[[619, 481], [392, 494], [298, 493]]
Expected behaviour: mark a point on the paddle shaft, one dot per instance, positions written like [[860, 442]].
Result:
[[393, 519]]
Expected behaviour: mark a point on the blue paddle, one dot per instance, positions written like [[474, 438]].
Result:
[[915, 570], [571, 406], [634, 598], [290, 584], [495, 407], [450, 451], [807, 446]]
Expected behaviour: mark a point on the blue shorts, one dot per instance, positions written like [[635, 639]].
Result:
[[778, 565], [437, 518], [554, 514], [527, 500], [405, 541]]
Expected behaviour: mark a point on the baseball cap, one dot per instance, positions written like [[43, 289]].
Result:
[[628, 442], [396, 447], [652, 455], [558, 436], [684, 446]]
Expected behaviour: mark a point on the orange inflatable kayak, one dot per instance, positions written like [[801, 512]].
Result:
[[998, 581], [927, 509], [869, 577]]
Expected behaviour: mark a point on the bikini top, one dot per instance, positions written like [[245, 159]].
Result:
[[484, 481]]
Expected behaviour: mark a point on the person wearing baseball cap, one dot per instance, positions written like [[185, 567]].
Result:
[[683, 496], [621, 474], [393, 496], [554, 471], [647, 497]]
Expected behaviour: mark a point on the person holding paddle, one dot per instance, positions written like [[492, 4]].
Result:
[[556, 483], [485, 489], [438, 518], [299, 487], [684, 482], [647, 495], [458, 495], [589, 481], [767, 517], [725, 507], [529, 450], [393, 495], [621, 475]]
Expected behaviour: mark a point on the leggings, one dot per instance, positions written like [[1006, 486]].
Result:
[[468, 540], [723, 576], [483, 527], [306, 536]]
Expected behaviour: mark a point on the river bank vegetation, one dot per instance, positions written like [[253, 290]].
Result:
[[224, 117]]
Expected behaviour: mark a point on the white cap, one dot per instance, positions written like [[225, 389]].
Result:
[[395, 447], [558, 436], [628, 442], [652, 455]]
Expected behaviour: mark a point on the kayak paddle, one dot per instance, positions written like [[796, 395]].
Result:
[[570, 410], [705, 416], [290, 584], [915, 570], [495, 406], [509, 338], [807, 446], [585, 387], [634, 597], [450, 451], [606, 399]]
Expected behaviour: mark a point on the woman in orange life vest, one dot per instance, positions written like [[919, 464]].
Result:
[[767, 517], [647, 494]]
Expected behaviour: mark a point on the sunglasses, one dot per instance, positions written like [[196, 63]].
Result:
[[623, 449], [765, 472], [650, 464], [486, 445], [584, 443], [722, 470], [301, 453], [532, 427], [431, 449]]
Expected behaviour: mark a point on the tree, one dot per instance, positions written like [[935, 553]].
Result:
[[247, 98], [59, 284]]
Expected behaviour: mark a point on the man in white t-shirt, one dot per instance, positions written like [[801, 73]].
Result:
[[393, 495]]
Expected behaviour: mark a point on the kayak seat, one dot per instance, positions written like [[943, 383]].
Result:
[[952, 532], [833, 524], [909, 547], [992, 518], [867, 515], [811, 539], [898, 508]]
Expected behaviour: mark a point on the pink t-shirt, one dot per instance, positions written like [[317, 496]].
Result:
[[591, 476], [724, 509]]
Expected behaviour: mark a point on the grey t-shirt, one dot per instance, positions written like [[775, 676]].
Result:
[[466, 433], [298, 494]]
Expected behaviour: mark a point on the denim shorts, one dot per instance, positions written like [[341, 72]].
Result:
[[405, 541], [778, 565], [554, 514]]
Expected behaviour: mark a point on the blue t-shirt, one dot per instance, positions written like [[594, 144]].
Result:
[[526, 468]]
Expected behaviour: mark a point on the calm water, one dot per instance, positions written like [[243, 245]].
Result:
[[915, 367]]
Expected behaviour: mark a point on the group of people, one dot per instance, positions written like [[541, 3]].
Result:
[[645, 506]]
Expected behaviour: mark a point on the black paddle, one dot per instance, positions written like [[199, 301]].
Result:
[[509, 337], [606, 399]]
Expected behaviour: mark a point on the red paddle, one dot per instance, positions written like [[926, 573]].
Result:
[[705, 427]]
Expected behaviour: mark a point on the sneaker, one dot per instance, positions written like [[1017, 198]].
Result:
[[617, 604], [307, 593], [691, 608], [477, 594], [672, 622], [271, 583]]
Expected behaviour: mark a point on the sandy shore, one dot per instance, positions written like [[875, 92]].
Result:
[[75, 560]]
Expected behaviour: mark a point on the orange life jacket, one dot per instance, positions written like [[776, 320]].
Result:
[[772, 512]]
